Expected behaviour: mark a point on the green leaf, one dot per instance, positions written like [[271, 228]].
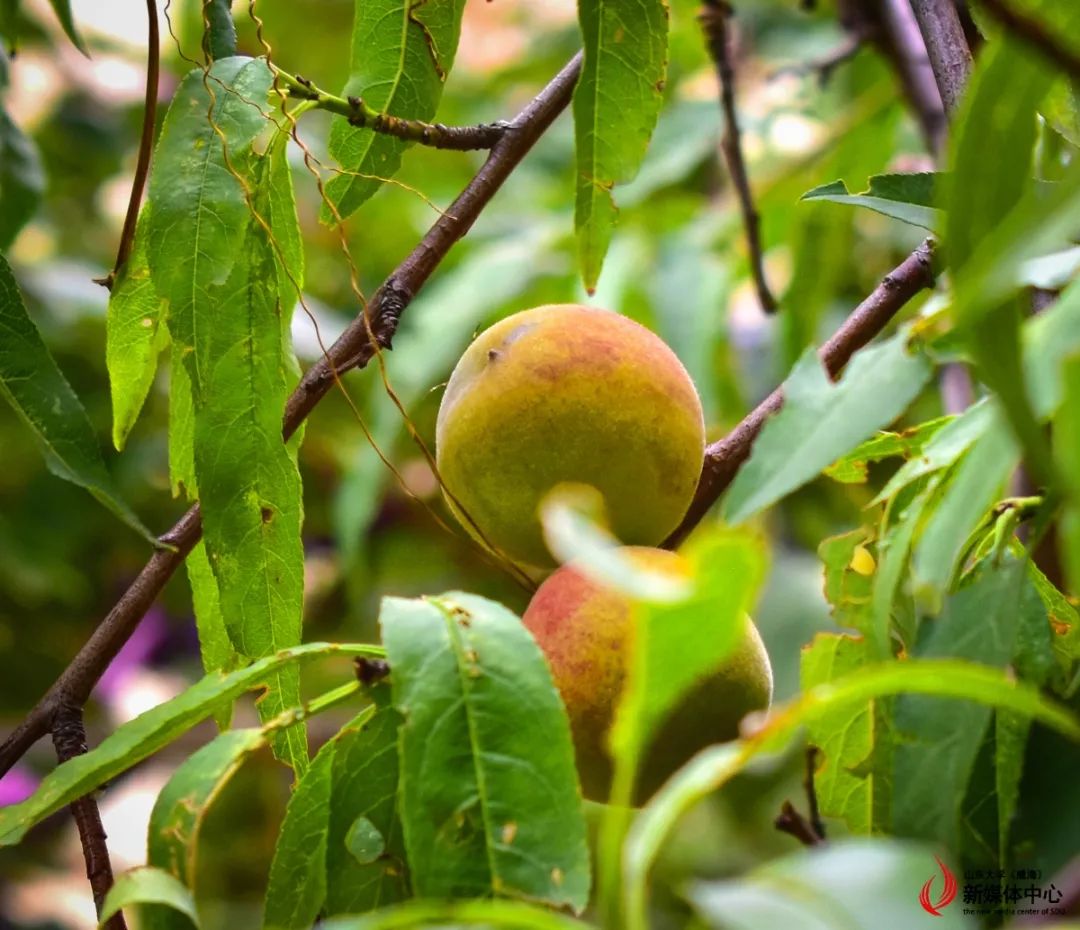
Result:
[[181, 429], [511, 914], [22, 179], [135, 334], [966, 498], [249, 486], [488, 795], [1067, 450], [714, 767], [821, 420], [220, 29], [199, 205], [852, 468], [150, 886], [42, 398], [907, 197], [215, 647], [1065, 628], [364, 796], [402, 52], [616, 103], [852, 885], [938, 741], [854, 782], [181, 807], [849, 578], [147, 733], [62, 9], [1049, 339]]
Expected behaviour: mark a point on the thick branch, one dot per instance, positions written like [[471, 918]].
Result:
[[69, 739], [724, 457], [1035, 34], [352, 350], [946, 46], [146, 146], [358, 113], [714, 22]]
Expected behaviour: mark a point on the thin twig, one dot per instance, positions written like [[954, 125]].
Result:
[[69, 739], [714, 16], [811, 792], [1035, 34], [724, 457], [901, 42], [352, 350], [947, 47], [146, 147], [789, 820], [358, 113]]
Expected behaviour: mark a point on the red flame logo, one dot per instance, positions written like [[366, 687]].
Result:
[[948, 891]]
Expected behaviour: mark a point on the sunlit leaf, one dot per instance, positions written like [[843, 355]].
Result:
[[907, 197]]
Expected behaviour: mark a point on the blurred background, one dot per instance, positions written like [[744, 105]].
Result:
[[678, 264]]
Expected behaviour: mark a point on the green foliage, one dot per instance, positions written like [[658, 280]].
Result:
[[489, 798], [907, 197], [401, 55], [151, 889], [22, 180], [616, 103], [38, 392]]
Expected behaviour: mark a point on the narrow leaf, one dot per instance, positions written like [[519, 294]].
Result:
[[42, 398], [852, 468], [134, 336], [216, 649], [62, 9], [821, 421], [150, 886], [906, 197], [489, 795], [509, 914], [22, 179], [220, 29], [402, 52], [148, 732], [616, 104]]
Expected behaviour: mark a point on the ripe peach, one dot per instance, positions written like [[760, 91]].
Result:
[[586, 630], [567, 393]]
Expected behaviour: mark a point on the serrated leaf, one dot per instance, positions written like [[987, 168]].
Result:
[[249, 486], [966, 497], [488, 797], [178, 814], [181, 429], [22, 179], [402, 52], [42, 398], [1064, 626], [938, 742], [150, 886], [906, 197], [821, 420], [134, 335], [616, 103], [148, 732], [353, 778], [852, 468], [854, 780], [814, 890], [216, 649]]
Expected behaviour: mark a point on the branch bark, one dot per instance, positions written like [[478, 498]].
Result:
[[724, 458], [947, 47], [354, 349], [714, 22]]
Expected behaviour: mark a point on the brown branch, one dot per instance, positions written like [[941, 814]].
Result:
[[901, 42], [69, 739], [946, 45], [352, 350], [360, 114], [1035, 34], [724, 457], [714, 17], [808, 830], [146, 147]]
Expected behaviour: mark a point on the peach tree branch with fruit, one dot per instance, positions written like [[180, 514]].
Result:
[[500, 770]]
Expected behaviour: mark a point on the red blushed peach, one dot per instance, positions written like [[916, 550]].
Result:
[[586, 632], [566, 393]]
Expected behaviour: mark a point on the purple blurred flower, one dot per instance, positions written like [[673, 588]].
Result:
[[17, 785], [148, 635]]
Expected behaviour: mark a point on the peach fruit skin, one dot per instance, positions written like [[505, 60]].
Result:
[[566, 393], [585, 630]]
